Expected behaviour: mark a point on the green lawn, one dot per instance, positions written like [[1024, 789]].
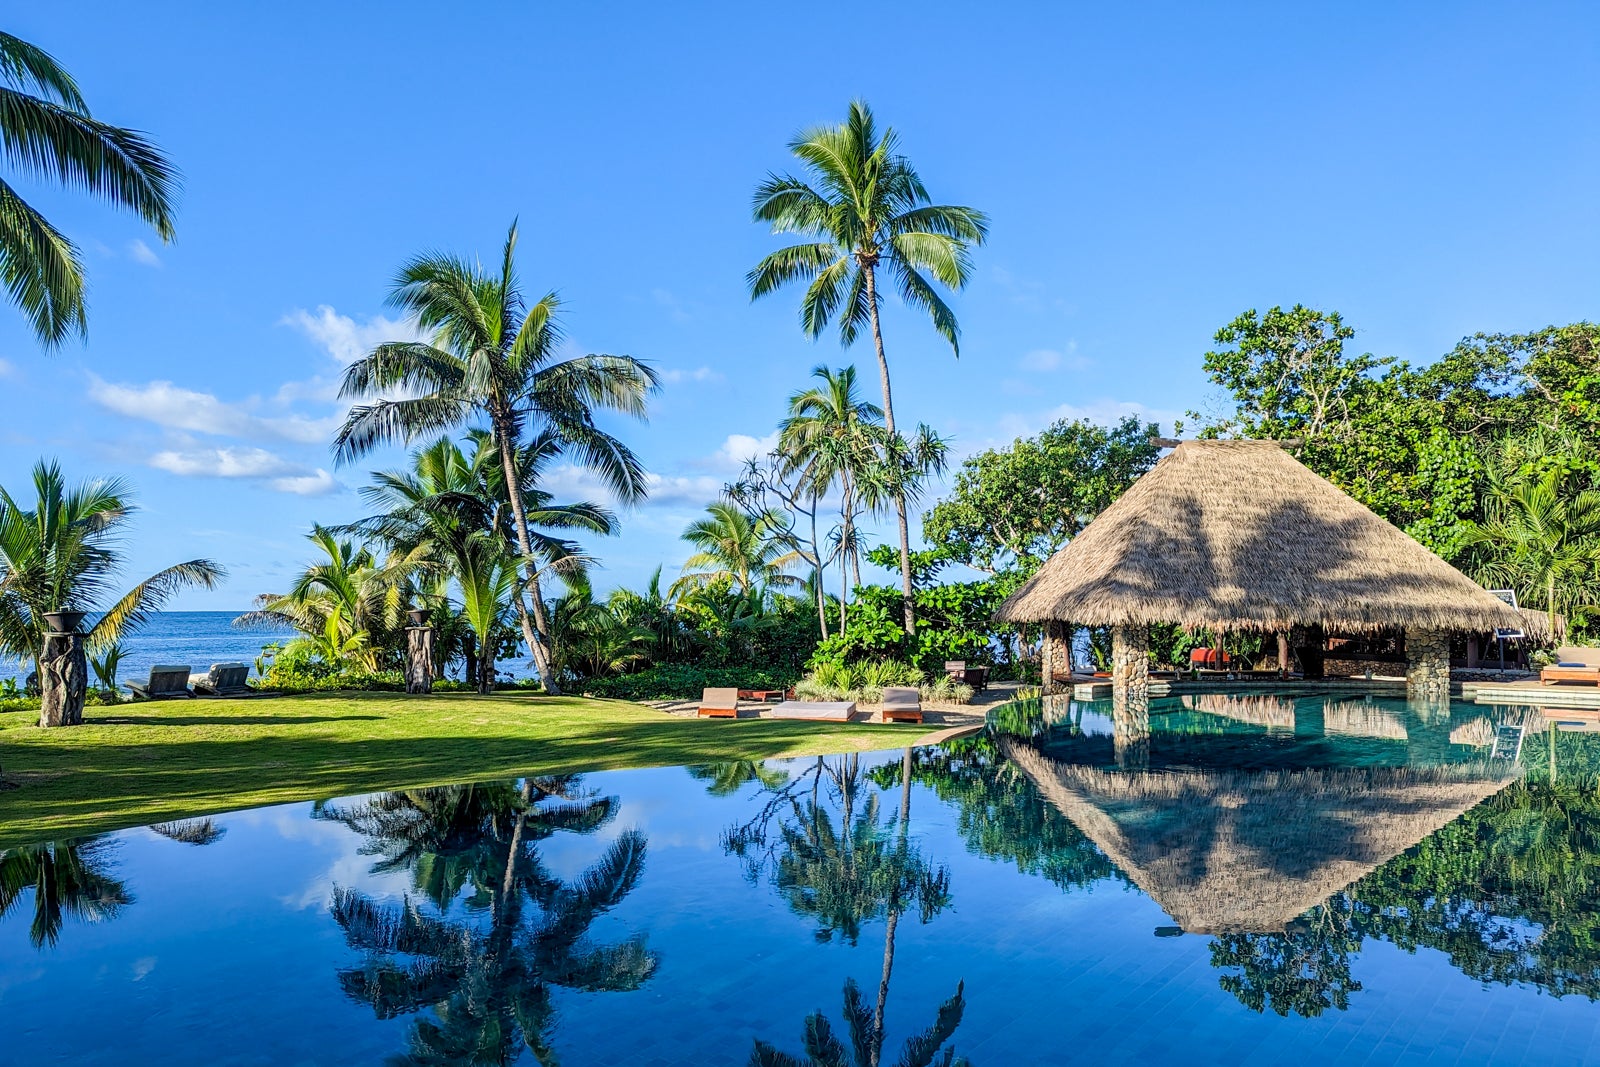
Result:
[[143, 763]]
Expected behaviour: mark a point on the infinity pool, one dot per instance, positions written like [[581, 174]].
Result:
[[1264, 879]]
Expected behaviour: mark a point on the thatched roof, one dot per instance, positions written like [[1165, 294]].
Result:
[[1251, 851], [1239, 535]]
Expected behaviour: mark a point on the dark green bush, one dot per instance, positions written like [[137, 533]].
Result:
[[683, 681]]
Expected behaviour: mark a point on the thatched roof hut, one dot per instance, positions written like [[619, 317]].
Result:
[[1251, 851], [1241, 536]]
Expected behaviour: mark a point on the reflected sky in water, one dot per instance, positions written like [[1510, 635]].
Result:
[[667, 916]]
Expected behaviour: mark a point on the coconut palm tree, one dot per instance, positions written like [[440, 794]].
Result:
[[345, 604], [1542, 538], [831, 439], [494, 355], [49, 134], [864, 206], [737, 548], [64, 554]]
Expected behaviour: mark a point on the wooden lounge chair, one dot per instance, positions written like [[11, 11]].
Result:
[[720, 703], [1578, 665], [222, 680], [956, 669], [902, 704], [761, 696], [167, 681]]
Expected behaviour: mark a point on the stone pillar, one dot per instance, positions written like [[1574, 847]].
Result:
[[1427, 664], [1130, 695], [1055, 654], [63, 680], [1284, 663], [419, 659]]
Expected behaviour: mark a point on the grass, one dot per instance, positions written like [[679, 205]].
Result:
[[145, 763]]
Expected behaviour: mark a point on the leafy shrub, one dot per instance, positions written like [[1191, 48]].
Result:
[[682, 681], [865, 683], [317, 677]]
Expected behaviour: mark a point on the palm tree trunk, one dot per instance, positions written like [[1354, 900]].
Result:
[[888, 424], [893, 921], [486, 667], [536, 631], [1550, 604], [816, 555]]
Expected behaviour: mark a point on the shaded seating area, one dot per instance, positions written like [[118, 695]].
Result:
[[1236, 537], [902, 704], [167, 682], [959, 672]]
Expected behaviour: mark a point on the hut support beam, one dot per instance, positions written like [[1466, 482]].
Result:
[[1427, 664], [1055, 655], [1130, 695]]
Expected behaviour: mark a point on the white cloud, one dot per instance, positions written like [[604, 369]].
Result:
[[740, 447], [140, 252], [675, 307], [1104, 411], [674, 375], [345, 339], [249, 464], [7, 369], [177, 408]]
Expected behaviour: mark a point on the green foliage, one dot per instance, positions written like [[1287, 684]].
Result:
[[954, 621], [684, 681], [1012, 508], [50, 135]]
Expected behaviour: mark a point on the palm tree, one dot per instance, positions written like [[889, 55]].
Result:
[[344, 604], [487, 576], [865, 207], [49, 133], [1542, 538], [736, 548], [830, 439], [492, 354], [63, 554]]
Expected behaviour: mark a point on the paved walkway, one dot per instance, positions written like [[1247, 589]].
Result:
[[953, 716]]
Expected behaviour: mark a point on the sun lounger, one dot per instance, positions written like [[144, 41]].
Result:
[[1580, 665], [223, 679], [720, 703], [166, 682], [902, 704], [818, 710]]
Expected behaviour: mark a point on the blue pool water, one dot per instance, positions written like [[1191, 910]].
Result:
[[1297, 879]]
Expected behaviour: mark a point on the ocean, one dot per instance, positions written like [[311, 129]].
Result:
[[198, 638]]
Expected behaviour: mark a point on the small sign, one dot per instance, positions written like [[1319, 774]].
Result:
[[1510, 597]]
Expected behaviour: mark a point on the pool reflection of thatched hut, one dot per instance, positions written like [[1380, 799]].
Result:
[[1251, 851], [1239, 536]]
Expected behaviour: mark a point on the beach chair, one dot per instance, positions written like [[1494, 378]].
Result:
[[223, 679], [956, 669], [1579, 665], [167, 681], [902, 704], [720, 703]]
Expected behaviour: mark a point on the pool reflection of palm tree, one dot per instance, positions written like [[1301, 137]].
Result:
[[846, 875], [824, 1049], [489, 982], [68, 879], [727, 778]]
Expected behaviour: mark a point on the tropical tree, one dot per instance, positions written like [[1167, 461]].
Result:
[[1542, 539], [831, 439], [64, 553], [736, 548], [48, 133], [343, 604], [864, 206], [494, 355]]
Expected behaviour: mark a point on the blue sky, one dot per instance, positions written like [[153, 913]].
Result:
[[1150, 171]]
